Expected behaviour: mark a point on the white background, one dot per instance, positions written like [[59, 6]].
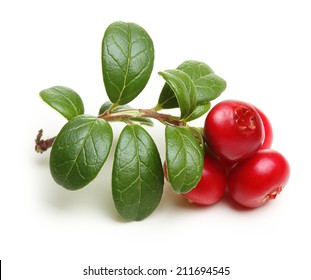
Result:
[[261, 48]]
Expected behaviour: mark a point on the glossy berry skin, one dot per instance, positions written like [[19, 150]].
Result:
[[233, 130], [256, 180], [267, 143], [212, 185]]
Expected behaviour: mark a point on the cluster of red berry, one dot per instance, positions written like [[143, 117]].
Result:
[[239, 157]]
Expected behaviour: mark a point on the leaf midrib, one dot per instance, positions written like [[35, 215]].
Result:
[[128, 62], [139, 171]]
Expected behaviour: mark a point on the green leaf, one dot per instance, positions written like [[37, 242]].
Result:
[[198, 133], [184, 158], [208, 85], [103, 108], [167, 99], [79, 151], [107, 106], [183, 89], [64, 100], [127, 61], [137, 175], [199, 111]]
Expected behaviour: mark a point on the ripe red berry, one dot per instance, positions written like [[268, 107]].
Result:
[[233, 130], [267, 143], [212, 185], [256, 180]]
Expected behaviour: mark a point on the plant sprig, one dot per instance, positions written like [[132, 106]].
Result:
[[83, 144]]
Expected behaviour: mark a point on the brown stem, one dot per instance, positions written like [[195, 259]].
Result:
[[120, 115], [164, 118], [149, 113], [42, 145]]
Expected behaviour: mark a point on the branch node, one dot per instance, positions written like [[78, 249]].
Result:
[[42, 145]]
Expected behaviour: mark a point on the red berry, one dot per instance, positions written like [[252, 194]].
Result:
[[268, 130], [256, 180], [233, 130], [212, 185]]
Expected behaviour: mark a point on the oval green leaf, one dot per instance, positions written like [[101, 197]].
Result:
[[199, 111], [127, 61], [64, 100], [184, 158], [79, 151], [208, 85], [183, 89], [137, 175]]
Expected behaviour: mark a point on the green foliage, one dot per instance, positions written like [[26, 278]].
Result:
[[208, 86], [184, 158], [183, 89], [79, 151], [64, 100], [127, 61], [137, 175], [83, 144]]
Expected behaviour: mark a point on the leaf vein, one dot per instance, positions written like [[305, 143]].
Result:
[[80, 150]]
